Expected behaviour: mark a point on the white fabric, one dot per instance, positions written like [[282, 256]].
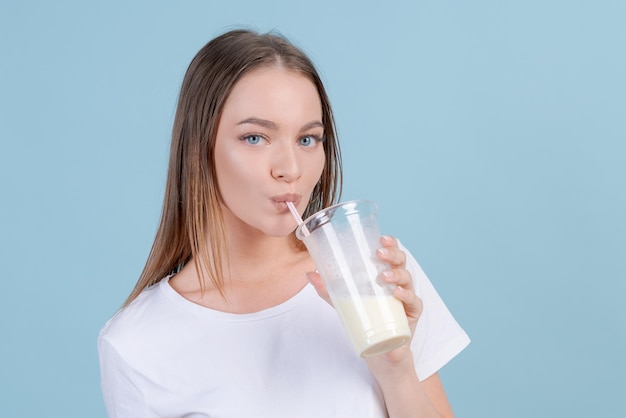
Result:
[[163, 356]]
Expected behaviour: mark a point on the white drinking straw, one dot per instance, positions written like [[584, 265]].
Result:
[[296, 216]]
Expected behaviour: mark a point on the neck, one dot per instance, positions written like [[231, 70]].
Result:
[[260, 271], [252, 246], [252, 253]]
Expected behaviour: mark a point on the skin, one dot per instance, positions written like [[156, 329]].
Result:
[[267, 151], [405, 395]]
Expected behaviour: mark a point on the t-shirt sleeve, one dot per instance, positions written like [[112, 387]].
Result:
[[438, 337], [123, 397]]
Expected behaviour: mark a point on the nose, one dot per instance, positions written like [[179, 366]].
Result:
[[285, 163]]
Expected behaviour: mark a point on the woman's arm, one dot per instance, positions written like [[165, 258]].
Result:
[[405, 395], [437, 395]]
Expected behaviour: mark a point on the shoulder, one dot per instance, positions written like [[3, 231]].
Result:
[[127, 326]]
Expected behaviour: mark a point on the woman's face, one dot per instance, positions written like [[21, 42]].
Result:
[[269, 149]]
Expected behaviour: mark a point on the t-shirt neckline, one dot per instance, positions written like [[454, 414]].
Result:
[[168, 291]]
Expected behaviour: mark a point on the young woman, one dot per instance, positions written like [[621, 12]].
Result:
[[226, 319]]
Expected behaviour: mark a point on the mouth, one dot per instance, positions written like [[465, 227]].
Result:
[[281, 200]]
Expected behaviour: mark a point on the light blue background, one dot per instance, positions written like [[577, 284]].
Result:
[[492, 133]]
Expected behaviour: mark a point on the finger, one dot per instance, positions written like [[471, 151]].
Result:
[[388, 241], [398, 277], [391, 253], [316, 280], [412, 303]]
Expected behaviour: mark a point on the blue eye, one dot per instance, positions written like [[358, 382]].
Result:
[[309, 140], [253, 139]]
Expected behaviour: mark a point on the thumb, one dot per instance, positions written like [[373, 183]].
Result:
[[316, 280]]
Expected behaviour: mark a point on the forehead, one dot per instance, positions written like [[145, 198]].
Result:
[[274, 92]]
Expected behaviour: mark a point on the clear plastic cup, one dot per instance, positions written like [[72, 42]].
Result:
[[342, 240]]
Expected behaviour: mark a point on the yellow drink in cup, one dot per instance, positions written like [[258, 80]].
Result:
[[342, 240]]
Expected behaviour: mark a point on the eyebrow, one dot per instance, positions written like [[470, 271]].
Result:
[[261, 122], [271, 125]]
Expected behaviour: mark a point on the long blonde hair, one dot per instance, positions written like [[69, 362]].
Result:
[[191, 205]]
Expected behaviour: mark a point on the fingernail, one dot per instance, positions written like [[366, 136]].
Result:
[[383, 251], [387, 275]]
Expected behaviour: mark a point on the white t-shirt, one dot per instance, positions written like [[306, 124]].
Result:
[[164, 356]]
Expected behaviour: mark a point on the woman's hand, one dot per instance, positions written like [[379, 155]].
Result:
[[404, 290], [395, 372], [399, 276]]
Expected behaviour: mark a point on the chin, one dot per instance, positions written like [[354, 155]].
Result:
[[279, 231]]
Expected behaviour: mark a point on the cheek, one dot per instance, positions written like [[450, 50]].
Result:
[[230, 166], [317, 166], [228, 177]]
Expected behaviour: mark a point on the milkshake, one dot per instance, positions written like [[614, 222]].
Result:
[[342, 240], [375, 324]]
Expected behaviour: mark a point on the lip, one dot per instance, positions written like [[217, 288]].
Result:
[[287, 197], [281, 200]]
